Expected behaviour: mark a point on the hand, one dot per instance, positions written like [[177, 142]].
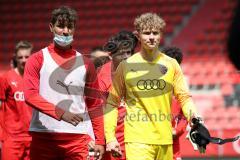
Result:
[[114, 148], [72, 118], [195, 119], [195, 147], [174, 133], [99, 151], [91, 144]]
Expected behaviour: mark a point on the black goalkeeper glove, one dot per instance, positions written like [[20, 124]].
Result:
[[200, 135]]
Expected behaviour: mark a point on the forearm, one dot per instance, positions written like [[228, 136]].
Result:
[[96, 116], [110, 122], [182, 93], [38, 102], [189, 109], [117, 92]]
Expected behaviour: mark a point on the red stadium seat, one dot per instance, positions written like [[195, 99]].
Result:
[[227, 89]]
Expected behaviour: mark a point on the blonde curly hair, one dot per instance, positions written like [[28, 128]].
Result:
[[149, 21]]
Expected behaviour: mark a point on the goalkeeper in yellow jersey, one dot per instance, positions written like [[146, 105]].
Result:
[[147, 82]]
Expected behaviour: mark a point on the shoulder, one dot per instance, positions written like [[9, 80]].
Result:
[[87, 62], [134, 58], [106, 68], [8, 74], [167, 58], [104, 73], [36, 57], [7, 77], [169, 61], [34, 62]]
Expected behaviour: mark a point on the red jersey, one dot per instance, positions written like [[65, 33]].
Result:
[[105, 83], [179, 123], [15, 113]]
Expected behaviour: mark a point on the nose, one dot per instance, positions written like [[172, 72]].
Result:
[[65, 31], [151, 36], [24, 59], [126, 55]]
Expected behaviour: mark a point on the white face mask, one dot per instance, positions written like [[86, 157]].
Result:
[[63, 40]]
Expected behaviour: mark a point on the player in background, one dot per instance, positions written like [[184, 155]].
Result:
[[179, 122], [99, 57], [57, 80], [147, 81], [15, 114], [121, 46]]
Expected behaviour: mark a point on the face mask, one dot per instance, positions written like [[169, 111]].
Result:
[[63, 40]]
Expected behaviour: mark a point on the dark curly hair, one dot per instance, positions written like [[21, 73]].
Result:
[[64, 16], [174, 52], [121, 39], [126, 35]]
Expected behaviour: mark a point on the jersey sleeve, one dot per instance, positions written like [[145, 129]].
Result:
[[181, 92], [3, 88], [31, 88], [181, 125], [117, 91], [94, 103]]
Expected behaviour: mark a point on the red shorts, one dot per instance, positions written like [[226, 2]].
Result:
[[15, 150], [59, 146]]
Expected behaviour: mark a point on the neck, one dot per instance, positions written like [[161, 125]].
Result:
[[114, 66], [62, 48], [149, 54], [19, 71]]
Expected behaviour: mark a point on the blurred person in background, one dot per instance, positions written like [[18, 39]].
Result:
[[120, 46], [15, 114]]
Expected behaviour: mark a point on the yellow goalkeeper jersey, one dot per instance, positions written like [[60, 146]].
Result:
[[147, 88]]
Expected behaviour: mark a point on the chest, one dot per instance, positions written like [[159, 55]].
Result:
[[15, 89], [152, 75]]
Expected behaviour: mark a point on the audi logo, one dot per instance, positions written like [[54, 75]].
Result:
[[151, 84]]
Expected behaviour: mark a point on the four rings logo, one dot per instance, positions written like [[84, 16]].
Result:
[[151, 84]]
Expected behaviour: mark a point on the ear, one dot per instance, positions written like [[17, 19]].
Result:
[[136, 33], [51, 27]]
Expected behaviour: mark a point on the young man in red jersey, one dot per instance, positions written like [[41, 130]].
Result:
[[56, 84], [179, 122], [15, 113], [121, 46]]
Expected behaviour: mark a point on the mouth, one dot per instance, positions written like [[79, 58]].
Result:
[[152, 43]]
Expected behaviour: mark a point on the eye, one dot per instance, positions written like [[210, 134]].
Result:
[[71, 26], [60, 26], [147, 33]]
